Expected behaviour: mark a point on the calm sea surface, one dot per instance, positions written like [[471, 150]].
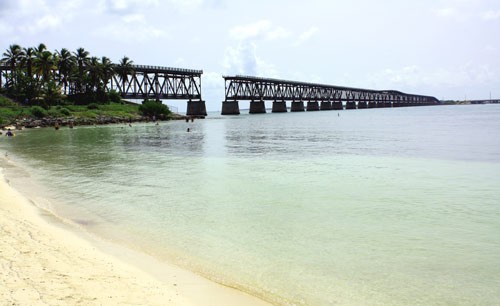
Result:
[[363, 207]]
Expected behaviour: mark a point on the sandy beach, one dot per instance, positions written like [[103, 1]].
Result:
[[42, 263]]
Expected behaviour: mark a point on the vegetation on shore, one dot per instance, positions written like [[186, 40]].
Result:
[[63, 86], [12, 113]]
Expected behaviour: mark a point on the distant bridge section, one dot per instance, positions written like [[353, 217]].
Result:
[[317, 96], [490, 101]]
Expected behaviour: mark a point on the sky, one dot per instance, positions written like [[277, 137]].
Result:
[[444, 48]]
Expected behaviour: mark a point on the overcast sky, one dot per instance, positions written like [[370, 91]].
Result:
[[449, 49]]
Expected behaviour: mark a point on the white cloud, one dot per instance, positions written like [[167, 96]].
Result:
[[491, 15], [243, 60], [48, 21], [262, 29], [37, 16], [134, 18], [447, 12], [186, 4], [304, 36], [126, 6], [134, 26]]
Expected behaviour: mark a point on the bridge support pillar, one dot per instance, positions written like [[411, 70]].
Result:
[[372, 104], [279, 107], [230, 108], [350, 105], [337, 105], [362, 104], [196, 108], [257, 107], [297, 106], [312, 106], [326, 105], [395, 104]]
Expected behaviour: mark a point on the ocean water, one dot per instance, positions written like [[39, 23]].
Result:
[[361, 207]]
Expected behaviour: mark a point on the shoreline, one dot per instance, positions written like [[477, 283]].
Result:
[[45, 260]]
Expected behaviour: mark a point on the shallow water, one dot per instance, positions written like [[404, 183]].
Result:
[[378, 206]]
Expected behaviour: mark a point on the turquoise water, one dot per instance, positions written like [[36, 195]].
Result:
[[365, 207]]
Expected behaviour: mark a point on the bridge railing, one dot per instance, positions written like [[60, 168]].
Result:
[[167, 69]]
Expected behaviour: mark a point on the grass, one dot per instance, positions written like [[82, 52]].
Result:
[[112, 110], [10, 111]]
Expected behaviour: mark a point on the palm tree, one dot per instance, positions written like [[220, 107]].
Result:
[[65, 64], [123, 69], [27, 60], [45, 65], [81, 58], [107, 70], [41, 47], [94, 70], [11, 58]]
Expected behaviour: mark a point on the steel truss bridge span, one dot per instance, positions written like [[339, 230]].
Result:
[[317, 96], [153, 82]]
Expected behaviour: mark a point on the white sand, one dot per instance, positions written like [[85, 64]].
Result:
[[44, 264]]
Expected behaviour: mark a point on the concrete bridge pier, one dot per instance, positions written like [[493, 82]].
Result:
[[337, 105], [350, 105], [396, 104], [362, 104], [230, 108], [257, 107], [312, 106], [326, 105], [279, 107], [297, 106], [372, 104], [196, 108]]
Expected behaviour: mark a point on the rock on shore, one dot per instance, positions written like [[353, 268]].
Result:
[[68, 121]]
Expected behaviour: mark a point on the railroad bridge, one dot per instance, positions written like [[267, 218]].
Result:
[[317, 96], [153, 82]]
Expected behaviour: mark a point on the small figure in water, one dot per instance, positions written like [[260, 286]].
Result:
[[9, 133], [188, 130], [338, 114]]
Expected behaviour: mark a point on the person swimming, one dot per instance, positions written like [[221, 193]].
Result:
[[9, 133]]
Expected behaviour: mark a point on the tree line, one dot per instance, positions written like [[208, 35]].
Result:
[[37, 76]]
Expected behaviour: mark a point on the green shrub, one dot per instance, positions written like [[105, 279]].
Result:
[[93, 106], [53, 112], [38, 111], [154, 108], [114, 96], [65, 111], [6, 101]]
